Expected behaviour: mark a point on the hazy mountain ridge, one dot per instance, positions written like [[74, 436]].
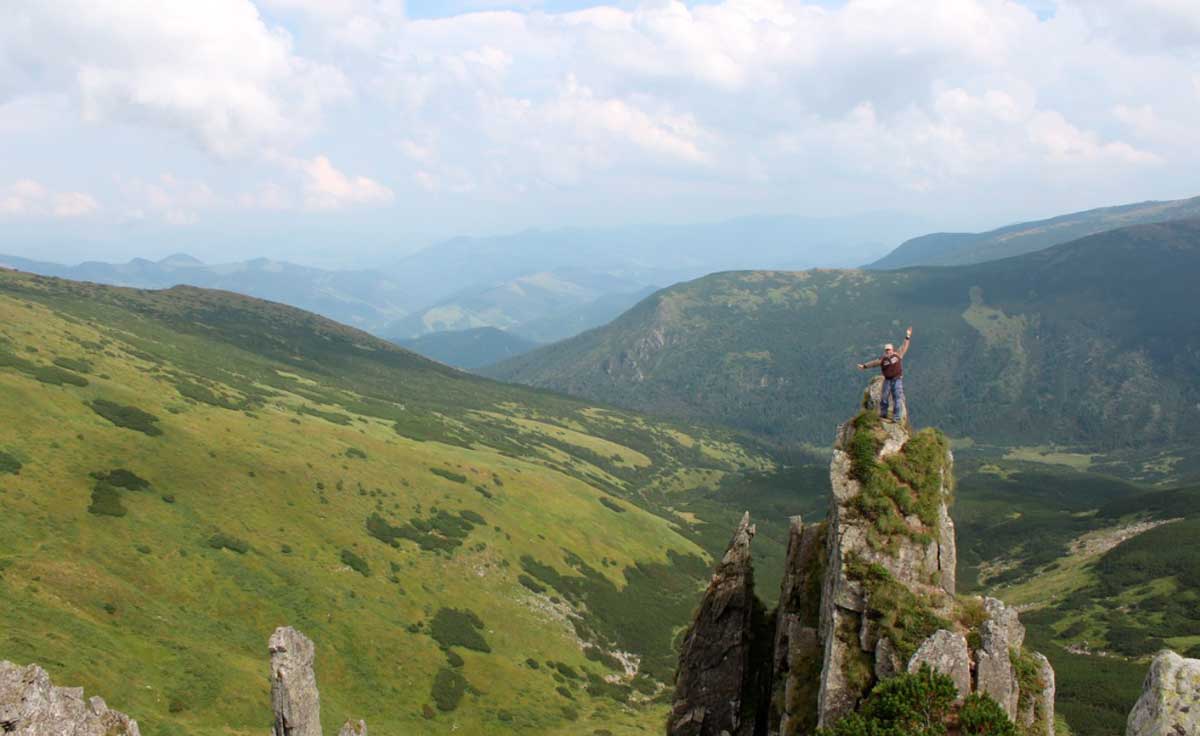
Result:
[[958, 249], [1080, 343], [366, 299]]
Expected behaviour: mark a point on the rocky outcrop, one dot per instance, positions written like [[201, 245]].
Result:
[[1170, 701], [31, 706], [946, 652], [294, 697], [867, 594], [353, 728], [717, 688], [796, 665]]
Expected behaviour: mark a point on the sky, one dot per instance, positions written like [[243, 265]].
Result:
[[350, 131]]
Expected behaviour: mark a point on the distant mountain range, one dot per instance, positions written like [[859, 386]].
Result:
[[1091, 342], [543, 285], [959, 249]]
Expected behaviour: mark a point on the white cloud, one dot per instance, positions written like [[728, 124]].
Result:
[[213, 70], [326, 188], [31, 199]]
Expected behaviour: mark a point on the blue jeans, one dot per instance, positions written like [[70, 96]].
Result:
[[893, 387]]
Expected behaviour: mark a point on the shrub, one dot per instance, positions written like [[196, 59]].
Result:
[[452, 627], [982, 716], [448, 689], [533, 664], [484, 492], [471, 516], [611, 504], [122, 478], [128, 417], [449, 475], [530, 583], [453, 658], [220, 540], [57, 376], [9, 465], [106, 501], [73, 364], [356, 453], [168, 498], [356, 563], [908, 705]]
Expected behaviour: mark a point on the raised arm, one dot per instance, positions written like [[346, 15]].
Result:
[[907, 339], [871, 364]]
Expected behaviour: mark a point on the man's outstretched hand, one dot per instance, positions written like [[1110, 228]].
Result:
[[908, 333]]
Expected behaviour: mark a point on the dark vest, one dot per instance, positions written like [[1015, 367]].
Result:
[[891, 366]]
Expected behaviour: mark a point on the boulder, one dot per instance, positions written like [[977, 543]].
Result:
[[31, 706], [354, 728], [946, 652], [716, 676], [1170, 701], [294, 698]]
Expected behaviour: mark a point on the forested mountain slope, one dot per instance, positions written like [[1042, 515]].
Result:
[[958, 249], [1092, 342], [183, 471]]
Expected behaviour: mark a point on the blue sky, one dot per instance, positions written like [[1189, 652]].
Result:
[[345, 131]]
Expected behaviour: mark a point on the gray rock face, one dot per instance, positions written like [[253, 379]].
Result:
[[354, 728], [1037, 709], [1000, 633], [850, 642], [797, 645], [1170, 702], [946, 652], [31, 706], [715, 672], [831, 642], [294, 697]]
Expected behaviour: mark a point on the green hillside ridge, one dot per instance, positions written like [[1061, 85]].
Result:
[[958, 249], [183, 471], [1082, 344]]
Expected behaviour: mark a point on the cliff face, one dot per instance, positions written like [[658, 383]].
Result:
[[1170, 702], [867, 594]]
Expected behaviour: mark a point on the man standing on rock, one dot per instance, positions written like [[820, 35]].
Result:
[[891, 363]]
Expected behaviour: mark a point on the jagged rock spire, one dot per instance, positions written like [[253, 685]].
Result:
[[31, 706], [294, 697], [867, 595], [715, 680]]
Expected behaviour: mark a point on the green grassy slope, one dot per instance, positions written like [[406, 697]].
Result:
[[1087, 343], [957, 249], [182, 471]]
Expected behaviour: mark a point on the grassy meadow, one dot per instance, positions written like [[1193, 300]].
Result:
[[183, 471]]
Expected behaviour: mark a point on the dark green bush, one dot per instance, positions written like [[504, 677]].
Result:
[[220, 540], [611, 504], [454, 628], [122, 478], [168, 498], [530, 583], [533, 664], [73, 364], [9, 465], [982, 716], [448, 689], [128, 417], [356, 453], [449, 475], [106, 501], [471, 516], [356, 563], [908, 705], [453, 658]]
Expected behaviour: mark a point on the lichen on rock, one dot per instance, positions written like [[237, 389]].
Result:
[[1170, 701], [31, 706]]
